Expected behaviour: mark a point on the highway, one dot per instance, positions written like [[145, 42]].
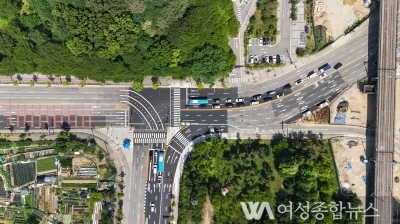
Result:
[[385, 112]]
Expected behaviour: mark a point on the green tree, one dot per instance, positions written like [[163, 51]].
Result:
[[15, 83], [200, 85], [155, 85], [6, 136], [31, 83], [22, 136], [137, 85], [48, 84], [66, 83], [82, 82], [63, 135], [120, 194]]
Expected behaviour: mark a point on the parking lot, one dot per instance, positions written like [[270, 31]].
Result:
[[261, 51]]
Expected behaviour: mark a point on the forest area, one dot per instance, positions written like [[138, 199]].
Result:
[[277, 172], [118, 40]]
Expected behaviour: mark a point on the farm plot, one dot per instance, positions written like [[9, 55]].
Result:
[[46, 164], [23, 173]]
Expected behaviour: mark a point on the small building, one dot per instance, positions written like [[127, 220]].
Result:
[[369, 89]]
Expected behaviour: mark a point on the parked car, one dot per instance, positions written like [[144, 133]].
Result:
[[229, 100], [298, 82], [215, 101], [229, 105], [267, 59], [251, 59], [261, 41], [274, 59], [337, 66], [263, 58], [239, 100], [216, 106], [255, 59], [279, 95], [240, 104], [249, 42], [257, 97]]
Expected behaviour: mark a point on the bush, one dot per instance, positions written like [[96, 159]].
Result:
[[137, 85], [300, 52]]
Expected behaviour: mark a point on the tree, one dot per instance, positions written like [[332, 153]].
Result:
[[15, 83], [137, 85], [6, 136], [199, 85], [22, 136], [48, 84], [63, 135], [66, 83], [42, 137], [31, 83], [82, 82], [155, 85], [120, 194]]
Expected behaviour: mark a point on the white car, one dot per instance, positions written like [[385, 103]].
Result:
[[249, 42], [152, 206], [312, 75], [280, 95], [155, 169], [267, 59], [274, 59], [255, 59], [322, 75], [216, 106], [229, 100], [251, 59], [238, 100], [261, 41], [298, 82]]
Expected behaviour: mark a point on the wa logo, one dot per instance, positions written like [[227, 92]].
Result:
[[254, 214]]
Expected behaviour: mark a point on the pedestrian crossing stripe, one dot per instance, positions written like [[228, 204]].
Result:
[[149, 137], [182, 139], [236, 79]]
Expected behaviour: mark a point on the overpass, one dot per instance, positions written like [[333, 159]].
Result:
[[384, 145]]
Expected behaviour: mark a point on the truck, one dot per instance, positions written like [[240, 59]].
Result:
[[198, 100], [161, 162], [325, 68]]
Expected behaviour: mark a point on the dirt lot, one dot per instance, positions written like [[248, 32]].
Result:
[[80, 161], [337, 15], [361, 109], [207, 212], [316, 117], [349, 164]]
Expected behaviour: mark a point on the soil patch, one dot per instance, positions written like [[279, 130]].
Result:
[[207, 212]]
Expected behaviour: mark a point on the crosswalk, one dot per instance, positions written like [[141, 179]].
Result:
[[149, 136], [182, 139], [239, 15], [236, 79], [175, 107]]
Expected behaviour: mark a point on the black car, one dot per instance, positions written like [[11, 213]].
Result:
[[266, 41], [268, 98], [286, 87], [257, 97], [202, 106], [240, 104], [338, 65], [215, 100], [229, 105]]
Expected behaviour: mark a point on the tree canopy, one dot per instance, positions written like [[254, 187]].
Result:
[[118, 40]]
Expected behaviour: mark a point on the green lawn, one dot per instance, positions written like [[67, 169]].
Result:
[[46, 164]]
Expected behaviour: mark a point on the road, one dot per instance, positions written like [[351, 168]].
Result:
[[389, 12]]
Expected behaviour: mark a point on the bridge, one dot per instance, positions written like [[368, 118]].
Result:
[[384, 145]]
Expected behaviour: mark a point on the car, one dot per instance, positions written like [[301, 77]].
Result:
[[261, 41], [298, 82], [155, 169], [155, 153], [322, 75], [337, 66], [279, 95], [271, 59], [274, 59], [268, 98], [240, 104], [254, 102], [270, 93], [229, 105], [159, 179], [152, 206], [215, 106], [264, 41], [229, 100], [239, 100], [311, 74], [249, 42], [251, 59], [263, 58], [255, 59], [215, 101], [286, 87], [257, 97], [203, 106], [267, 59]]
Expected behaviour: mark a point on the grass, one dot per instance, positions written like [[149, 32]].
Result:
[[79, 186], [46, 164], [264, 21]]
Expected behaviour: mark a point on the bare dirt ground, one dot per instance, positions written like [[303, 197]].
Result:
[[351, 178], [207, 212], [337, 15], [80, 161], [320, 116], [361, 107]]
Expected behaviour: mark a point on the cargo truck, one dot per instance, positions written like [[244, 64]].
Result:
[[325, 68]]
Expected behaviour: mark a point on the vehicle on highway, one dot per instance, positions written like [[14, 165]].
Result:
[[229, 100], [159, 179], [274, 59], [254, 102], [203, 106], [152, 206], [161, 162], [287, 87], [312, 74], [155, 153], [322, 75], [215, 106], [215, 100], [270, 93], [324, 68], [337, 66], [240, 104], [323, 104], [257, 97], [268, 98], [261, 41], [229, 105], [239, 100], [251, 59], [279, 95], [306, 112], [255, 59], [298, 82], [155, 169], [198, 100]]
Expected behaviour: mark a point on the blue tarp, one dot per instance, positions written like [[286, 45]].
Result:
[[340, 118]]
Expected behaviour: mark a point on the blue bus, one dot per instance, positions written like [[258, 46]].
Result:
[[161, 162], [198, 100]]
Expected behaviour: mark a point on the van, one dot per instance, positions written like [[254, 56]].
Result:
[[254, 102]]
